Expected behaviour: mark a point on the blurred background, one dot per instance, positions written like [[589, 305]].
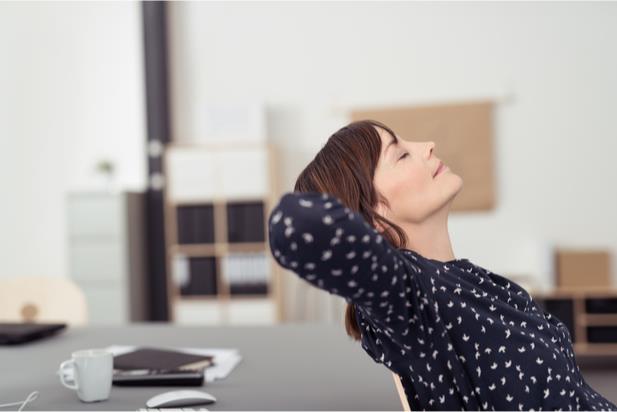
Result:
[[143, 145]]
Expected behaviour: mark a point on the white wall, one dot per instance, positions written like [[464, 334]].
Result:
[[71, 92], [555, 143]]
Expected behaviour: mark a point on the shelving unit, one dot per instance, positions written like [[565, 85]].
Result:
[[218, 199], [589, 314]]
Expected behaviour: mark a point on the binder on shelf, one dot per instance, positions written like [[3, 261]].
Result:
[[195, 275], [245, 222], [195, 224], [246, 273]]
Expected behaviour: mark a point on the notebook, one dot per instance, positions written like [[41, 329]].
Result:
[[155, 358], [16, 333]]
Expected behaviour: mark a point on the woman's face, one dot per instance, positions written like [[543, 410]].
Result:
[[405, 176]]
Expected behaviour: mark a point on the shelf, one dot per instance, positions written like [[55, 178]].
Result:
[[214, 200], [200, 298], [243, 297], [224, 298], [595, 349], [596, 319], [590, 316], [194, 250], [247, 247], [577, 293], [216, 203], [217, 249]]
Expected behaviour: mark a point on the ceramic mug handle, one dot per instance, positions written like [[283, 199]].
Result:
[[63, 366]]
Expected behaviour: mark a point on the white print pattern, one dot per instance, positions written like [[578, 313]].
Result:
[[460, 336]]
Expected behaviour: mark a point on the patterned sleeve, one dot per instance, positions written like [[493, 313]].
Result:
[[335, 249]]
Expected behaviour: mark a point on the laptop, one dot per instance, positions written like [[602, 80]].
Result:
[[16, 333]]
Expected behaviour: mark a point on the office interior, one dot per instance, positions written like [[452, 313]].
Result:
[[143, 146]]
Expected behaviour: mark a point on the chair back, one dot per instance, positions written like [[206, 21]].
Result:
[[401, 392], [42, 299]]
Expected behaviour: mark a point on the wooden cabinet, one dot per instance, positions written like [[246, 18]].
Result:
[[590, 315]]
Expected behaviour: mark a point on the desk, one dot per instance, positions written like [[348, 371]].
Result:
[[285, 367]]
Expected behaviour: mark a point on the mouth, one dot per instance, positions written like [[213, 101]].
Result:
[[440, 168]]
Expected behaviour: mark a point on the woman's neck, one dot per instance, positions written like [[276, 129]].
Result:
[[431, 238]]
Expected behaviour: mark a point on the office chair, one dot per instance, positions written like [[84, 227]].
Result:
[[401, 392], [42, 299]]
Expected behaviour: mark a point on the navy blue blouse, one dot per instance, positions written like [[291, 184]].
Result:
[[459, 336]]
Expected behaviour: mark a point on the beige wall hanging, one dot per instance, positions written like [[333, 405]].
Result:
[[462, 133]]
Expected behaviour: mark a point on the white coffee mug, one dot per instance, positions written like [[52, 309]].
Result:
[[92, 374]]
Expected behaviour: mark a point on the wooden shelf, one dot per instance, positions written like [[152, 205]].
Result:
[[577, 293], [242, 297], [571, 307], [215, 201], [195, 250], [247, 247], [214, 225], [209, 298], [598, 319], [595, 349], [217, 249]]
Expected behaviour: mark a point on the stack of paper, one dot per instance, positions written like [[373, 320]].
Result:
[[224, 359]]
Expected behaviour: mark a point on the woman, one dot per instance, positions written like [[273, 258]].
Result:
[[368, 221]]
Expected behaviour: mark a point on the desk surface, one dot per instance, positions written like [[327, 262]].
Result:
[[287, 367]]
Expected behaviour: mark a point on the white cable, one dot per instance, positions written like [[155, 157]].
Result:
[[33, 395]]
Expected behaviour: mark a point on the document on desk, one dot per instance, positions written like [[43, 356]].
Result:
[[225, 360]]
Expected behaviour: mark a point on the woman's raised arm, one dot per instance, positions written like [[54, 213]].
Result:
[[335, 249]]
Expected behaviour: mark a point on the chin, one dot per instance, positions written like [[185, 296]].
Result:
[[460, 185], [456, 188]]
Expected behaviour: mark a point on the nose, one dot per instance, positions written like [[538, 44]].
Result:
[[431, 146]]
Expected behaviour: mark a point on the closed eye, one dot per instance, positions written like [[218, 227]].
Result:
[[403, 156]]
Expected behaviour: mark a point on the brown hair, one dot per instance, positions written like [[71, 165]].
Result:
[[345, 168]]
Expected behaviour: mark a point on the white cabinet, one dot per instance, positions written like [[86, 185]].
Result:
[[234, 312], [198, 312], [252, 312], [106, 254], [196, 173]]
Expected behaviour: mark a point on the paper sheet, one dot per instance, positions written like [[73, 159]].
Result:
[[225, 359]]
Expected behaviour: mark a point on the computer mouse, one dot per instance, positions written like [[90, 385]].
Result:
[[180, 398]]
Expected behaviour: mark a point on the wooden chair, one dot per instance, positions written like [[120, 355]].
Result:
[[401, 392], [42, 299]]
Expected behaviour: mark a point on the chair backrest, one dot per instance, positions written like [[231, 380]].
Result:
[[401, 392], [42, 299]]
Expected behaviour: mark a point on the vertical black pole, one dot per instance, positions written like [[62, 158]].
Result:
[[159, 133]]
